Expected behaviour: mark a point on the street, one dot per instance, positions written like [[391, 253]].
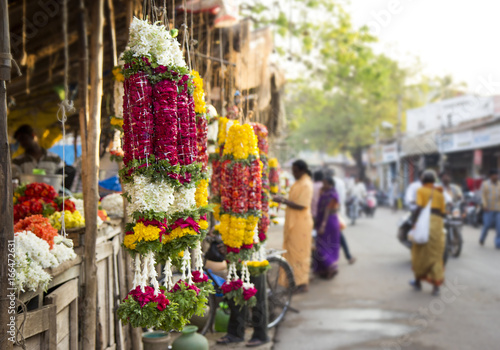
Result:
[[369, 305]]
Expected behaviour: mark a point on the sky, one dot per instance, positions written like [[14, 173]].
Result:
[[456, 37]]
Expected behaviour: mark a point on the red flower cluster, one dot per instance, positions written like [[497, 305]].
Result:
[[148, 296], [68, 205], [202, 140], [261, 132], [137, 118], [165, 123], [216, 178], [186, 141], [40, 226], [235, 179], [199, 277], [232, 285], [254, 194], [248, 293], [177, 287], [39, 190], [34, 199]]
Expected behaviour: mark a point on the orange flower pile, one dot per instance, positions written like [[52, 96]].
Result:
[[40, 226]]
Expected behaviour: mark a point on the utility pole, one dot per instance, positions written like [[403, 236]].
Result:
[[6, 203]]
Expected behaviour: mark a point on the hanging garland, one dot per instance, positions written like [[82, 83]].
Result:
[[265, 221], [162, 180]]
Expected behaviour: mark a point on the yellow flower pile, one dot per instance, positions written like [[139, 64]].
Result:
[[71, 220], [251, 223], [116, 121], [118, 74], [232, 230], [241, 142], [274, 189], [262, 263], [221, 137], [199, 94], [201, 194], [217, 212], [203, 224], [273, 162], [178, 232]]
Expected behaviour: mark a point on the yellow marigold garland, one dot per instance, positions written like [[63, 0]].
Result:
[[201, 194], [221, 137], [146, 233], [178, 233], [203, 224], [241, 142], [217, 211], [251, 224], [199, 93], [262, 263], [273, 162]]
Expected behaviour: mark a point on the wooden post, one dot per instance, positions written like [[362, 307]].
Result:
[[91, 193], [6, 204]]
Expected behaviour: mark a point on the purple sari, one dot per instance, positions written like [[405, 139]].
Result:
[[327, 250]]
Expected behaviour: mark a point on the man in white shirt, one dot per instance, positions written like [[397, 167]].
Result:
[[359, 190]]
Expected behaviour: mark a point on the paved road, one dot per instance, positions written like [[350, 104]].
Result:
[[369, 305]]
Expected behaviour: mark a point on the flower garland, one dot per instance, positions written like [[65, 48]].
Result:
[[162, 179], [264, 222]]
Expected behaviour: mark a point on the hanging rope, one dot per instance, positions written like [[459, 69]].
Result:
[[173, 13], [223, 68], [65, 107]]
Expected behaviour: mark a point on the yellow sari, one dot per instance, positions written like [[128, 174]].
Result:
[[298, 230], [427, 259]]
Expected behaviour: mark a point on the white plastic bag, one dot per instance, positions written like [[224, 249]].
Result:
[[420, 234]]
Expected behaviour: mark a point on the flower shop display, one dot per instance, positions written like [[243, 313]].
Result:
[[40, 226], [71, 220], [163, 179], [33, 255], [274, 176]]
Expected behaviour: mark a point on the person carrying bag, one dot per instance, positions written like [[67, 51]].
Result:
[[428, 234]]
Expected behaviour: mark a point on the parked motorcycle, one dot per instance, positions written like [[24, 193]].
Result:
[[473, 211]]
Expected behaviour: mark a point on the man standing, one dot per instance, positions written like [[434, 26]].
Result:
[[454, 191], [490, 194]]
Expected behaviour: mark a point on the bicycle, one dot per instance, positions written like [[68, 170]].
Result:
[[279, 292]]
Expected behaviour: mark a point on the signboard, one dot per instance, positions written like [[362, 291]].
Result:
[[478, 157], [472, 139]]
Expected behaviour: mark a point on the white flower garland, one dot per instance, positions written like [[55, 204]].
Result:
[[155, 40], [184, 199], [146, 196]]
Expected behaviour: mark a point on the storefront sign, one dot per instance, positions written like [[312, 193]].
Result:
[[472, 139]]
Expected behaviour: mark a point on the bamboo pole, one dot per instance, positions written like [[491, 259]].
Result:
[[6, 204], [91, 193]]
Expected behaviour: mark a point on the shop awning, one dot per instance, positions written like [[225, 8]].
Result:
[[420, 144]]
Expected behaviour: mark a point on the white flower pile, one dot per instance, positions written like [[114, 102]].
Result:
[[113, 204], [155, 40], [146, 196], [33, 255]]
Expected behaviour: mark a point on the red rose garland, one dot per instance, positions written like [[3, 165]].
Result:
[[202, 140], [165, 111]]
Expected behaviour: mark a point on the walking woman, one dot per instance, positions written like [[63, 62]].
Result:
[[326, 254], [299, 224], [427, 258]]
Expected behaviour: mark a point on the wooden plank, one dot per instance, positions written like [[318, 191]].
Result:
[[104, 250], [102, 281], [116, 296], [110, 296], [71, 273], [64, 266], [64, 344], [64, 295], [63, 324], [73, 316], [33, 343], [40, 323]]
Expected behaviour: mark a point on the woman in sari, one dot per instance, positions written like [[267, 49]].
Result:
[[326, 254], [299, 224], [427, 258]]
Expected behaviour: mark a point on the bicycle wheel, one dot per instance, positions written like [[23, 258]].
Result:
[[280, 285]]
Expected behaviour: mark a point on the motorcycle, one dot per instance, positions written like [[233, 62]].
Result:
[[473, 210], [370, 204], [453, 224]]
